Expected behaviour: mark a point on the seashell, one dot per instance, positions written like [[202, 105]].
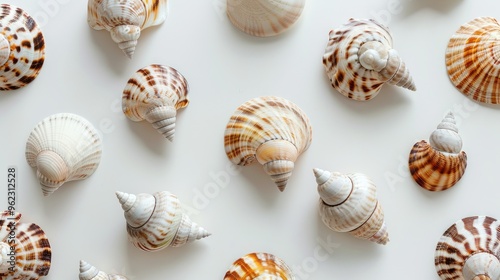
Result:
[[272, 130], [125, 19], [259, 266], [348, 203], [31, 258], [63, 147], [90, 272], [155, 93], [469, 250], [22, 48], [157, 221], [359, 60], [264, 18], [472, 58], [439, 164]]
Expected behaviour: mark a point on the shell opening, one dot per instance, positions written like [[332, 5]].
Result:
[[4, 50], [52, 171], [126, 37], [482, 266], [163, 120], [277, 158]]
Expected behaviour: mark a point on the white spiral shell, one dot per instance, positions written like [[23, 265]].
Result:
[[90, 272]]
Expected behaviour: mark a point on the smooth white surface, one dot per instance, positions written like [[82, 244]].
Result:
[[85, 73]]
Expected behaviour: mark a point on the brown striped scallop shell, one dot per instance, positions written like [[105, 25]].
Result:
[[155, 93], [473, 60], [271, 130], [359, 60], [32, 249], [469, 250], [440, 163], [22, 48], [262, 266]]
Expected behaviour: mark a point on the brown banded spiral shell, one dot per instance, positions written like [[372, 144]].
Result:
[[263, 266]]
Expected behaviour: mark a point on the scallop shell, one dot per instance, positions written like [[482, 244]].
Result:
[[469, 249], [439, 164], [157, 221], [272, 130], [472, 59], [32, 252], [263, 266], [348, 203], [90, 272], [264, 18], [22, 48], [63, 147], [155, 93], [125, 19], [359, 60]]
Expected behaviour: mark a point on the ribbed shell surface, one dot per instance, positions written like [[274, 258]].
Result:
[[465, 238], [473, 60], [262, 266], [32, 248], [27, 48]]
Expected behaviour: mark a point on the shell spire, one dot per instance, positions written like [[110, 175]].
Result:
[[90, 272], [259, 266], [348, 203]]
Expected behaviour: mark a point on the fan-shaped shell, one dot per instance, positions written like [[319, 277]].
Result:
[[272, 130], [155, 93], [32, 249], [348, 203], [469, 249], [472, 60], [125, 19], [359, 59], [439, 164], [90, 272], [263, 266], [63, 147], [157, 221], [264, 18], [22, 48]]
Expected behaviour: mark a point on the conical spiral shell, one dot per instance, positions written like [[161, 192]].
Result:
[[125, 19], [90, 272], [439, 164], [473, 60], [63, 147], [348, 203], [272, 130], [262, 266], [264, 18], [155, 93], [22, 48], [157, 221], [469, 249], [359, 59], [32, 249]]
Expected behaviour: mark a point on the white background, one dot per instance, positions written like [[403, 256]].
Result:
[[85, 73]]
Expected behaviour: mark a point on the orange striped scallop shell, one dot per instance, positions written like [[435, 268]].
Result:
[[263, 266]]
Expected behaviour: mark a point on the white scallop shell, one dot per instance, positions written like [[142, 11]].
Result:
[[90, 272]]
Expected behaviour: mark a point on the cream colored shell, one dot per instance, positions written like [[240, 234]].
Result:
[[90, 272], [259, 266]]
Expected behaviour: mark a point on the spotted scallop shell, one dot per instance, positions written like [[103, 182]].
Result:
[[264, 18], [438, 164], [473, 60], [125, 19], [63, 147], [348, 203], [155, 93], [469, 249], [22, 48], [272, 130], [359, 60], [90, 272], [263, 266], [32, 249]]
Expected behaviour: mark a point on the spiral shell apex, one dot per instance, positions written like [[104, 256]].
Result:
[[263, 266], [272, 130], [63, 147], [348, 203], [125, 19], [157, 221], [22, 48], [469, 249], [155, 93], [359, 60], [90, 272], [439, 164]]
